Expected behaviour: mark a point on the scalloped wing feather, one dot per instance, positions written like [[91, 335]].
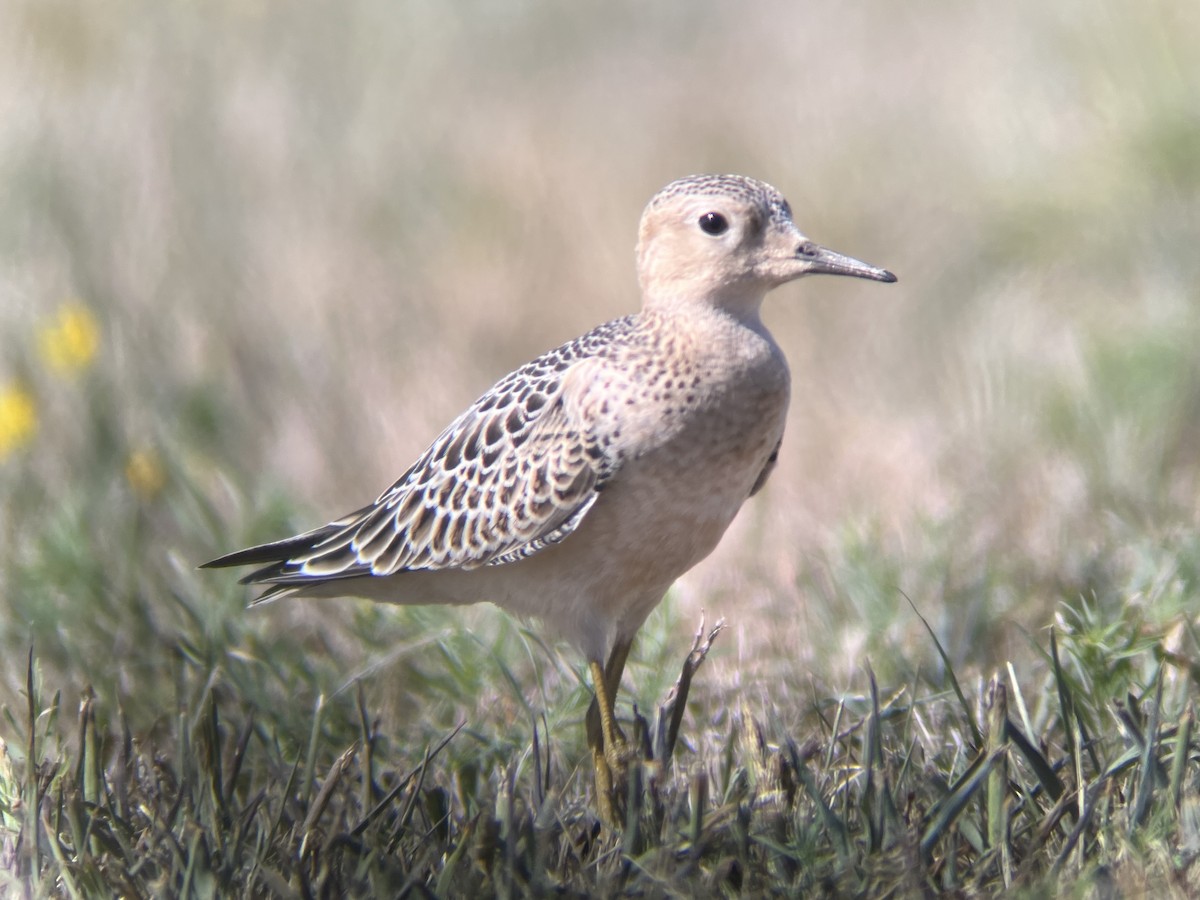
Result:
[[516, 473], [479, 495]]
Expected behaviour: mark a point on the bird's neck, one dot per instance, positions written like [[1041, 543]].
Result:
[[707, 324], [738, 304]]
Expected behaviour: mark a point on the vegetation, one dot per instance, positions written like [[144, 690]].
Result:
[[1084, 778], [255, 255]]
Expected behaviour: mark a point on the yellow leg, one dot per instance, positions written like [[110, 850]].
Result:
[[609, 733], [615, 667], [610, 753], [604, 790], [600, 731]]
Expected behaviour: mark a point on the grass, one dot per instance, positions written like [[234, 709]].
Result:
[[1078, 775], [961, 653]]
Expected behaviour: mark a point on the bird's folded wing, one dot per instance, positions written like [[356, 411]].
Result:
[[514, 474]]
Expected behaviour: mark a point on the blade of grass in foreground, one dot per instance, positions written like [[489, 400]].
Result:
[[829, 818], [1072, 720], [395, 792], [952, 805], [1046, 775], [1149, 760], [997, 788], [958, 692], [871, 753], [1183, 739]]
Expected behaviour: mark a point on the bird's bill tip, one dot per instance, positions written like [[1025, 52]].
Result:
[[823, 261]]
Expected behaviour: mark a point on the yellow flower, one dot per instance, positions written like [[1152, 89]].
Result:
[[145, 474], [18, 418], [68, 343]]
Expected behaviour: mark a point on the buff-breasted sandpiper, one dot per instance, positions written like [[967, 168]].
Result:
[[580, 486]]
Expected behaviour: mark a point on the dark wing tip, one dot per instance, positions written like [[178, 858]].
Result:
[[274, 592], [283, 550], [263, 553], [229, 559], [274, 552]]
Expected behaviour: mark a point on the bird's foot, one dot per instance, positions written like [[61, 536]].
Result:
[[620, 754], [613, 764], [606, 791]]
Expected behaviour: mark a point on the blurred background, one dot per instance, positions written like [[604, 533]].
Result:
[[255, 255]]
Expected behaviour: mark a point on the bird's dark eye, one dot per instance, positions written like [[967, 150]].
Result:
[[713, 223]]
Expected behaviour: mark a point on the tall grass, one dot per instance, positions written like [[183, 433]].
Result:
[[1079, 775]]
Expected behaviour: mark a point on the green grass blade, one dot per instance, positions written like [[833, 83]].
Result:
[[951, 806], [996, 705], [1179, 760], [1148, 768], [1045, 773], [976, 734]]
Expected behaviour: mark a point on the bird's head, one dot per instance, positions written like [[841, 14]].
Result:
[[725, 240]]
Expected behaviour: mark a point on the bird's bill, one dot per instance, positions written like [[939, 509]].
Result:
[[823, 261]]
